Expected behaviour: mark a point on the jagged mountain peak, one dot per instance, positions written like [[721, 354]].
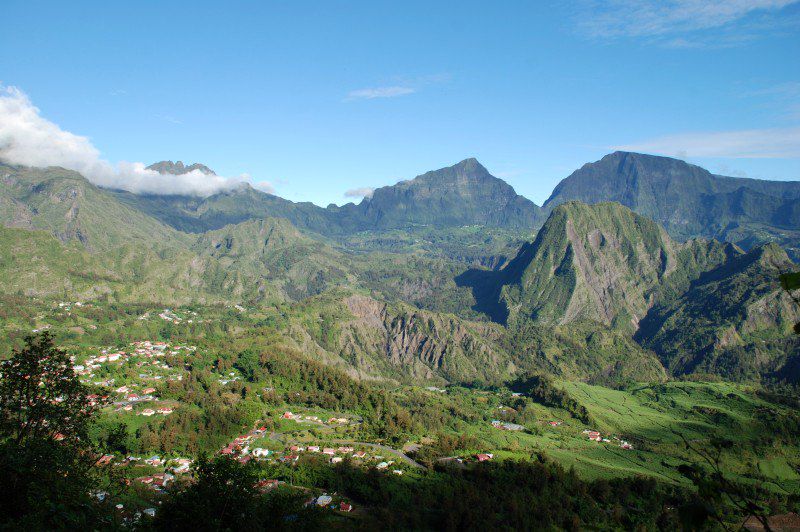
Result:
[[471, 166], [598, 262], [178, 168], [467, 171], [462, 194]]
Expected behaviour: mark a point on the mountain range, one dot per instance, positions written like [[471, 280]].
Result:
[[688, 201], [636, 268]]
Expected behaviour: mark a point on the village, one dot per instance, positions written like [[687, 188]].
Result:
[[245, 448], [149, 359], [152, 351], [129, 379], [595, 436], [257, 445]]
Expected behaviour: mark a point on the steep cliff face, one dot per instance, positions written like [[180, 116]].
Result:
[[424, 344], [601, 263], [688, 200], [385, 340]]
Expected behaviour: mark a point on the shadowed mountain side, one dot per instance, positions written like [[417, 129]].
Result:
[[599, 262], [485, 287]]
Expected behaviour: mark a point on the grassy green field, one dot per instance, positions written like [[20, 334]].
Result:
[[655, 419]]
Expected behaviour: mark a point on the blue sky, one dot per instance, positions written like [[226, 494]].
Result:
[[318, 98]]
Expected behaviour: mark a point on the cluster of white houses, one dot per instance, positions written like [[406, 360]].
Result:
[[594, 435], [145, 349]]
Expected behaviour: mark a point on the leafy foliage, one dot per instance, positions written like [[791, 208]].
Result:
[[46, 458]]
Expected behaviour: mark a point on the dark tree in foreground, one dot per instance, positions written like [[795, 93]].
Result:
[[40, 396], [720, 493], [224, 495], [46, 458]]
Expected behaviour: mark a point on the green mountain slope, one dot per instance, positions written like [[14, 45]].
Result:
[[67, 205], [259, 262], [733, 320], [601, 263], [35, 264], [256, 256]]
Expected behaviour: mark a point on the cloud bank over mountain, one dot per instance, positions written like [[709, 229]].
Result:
[[29, 139], [360, 192]]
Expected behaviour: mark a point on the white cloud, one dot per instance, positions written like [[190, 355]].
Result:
[[361, 192], [399, 86], [649, 18], [380, 92], [169, 118], [264, 186], [774, 143], [28, 139]]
